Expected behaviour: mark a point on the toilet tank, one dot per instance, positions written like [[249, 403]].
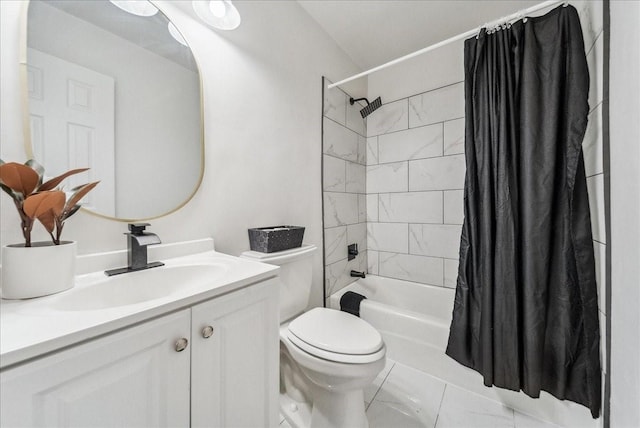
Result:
[[296, 267]]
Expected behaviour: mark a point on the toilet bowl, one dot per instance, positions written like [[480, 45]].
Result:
[[327, 357], [340, 355]]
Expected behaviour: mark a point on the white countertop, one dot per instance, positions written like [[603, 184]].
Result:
[[30, 328]]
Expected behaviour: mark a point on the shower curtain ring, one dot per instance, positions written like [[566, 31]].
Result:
[[480, 30]]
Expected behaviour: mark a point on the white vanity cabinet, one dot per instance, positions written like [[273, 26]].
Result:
[[136, 377], [130, 378], [234, 360]]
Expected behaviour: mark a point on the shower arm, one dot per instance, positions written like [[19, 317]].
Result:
[[352, 101], [369, 108]]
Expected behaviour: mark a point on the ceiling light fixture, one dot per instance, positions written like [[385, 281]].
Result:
[[221, 14], [136, 7]]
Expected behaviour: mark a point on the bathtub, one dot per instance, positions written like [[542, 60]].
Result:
[[414, 321]]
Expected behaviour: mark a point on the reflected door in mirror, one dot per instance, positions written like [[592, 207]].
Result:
[[72, 124]]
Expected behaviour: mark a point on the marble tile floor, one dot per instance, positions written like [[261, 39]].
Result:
[[403, 397]]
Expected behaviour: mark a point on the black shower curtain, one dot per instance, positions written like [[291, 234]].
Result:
[[525, 313]]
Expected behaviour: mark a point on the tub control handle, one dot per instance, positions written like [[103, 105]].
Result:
[[352, 251], [207, 332], [181, 344]]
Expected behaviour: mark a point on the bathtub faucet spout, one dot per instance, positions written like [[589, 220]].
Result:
[[356, 274]]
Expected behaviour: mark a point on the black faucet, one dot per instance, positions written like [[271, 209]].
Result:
[[137, 242], [357, 274]]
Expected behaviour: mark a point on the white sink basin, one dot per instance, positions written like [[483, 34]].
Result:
[[136, 287]]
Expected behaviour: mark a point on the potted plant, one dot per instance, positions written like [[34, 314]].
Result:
[[34, 269]]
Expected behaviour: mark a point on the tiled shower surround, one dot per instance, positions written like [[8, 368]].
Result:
[[343, 185], [415, 177], [415, 168], [397, 193]]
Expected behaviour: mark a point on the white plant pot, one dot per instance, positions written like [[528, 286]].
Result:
[[39, 270]]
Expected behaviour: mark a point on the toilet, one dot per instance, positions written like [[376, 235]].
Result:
[[327, 357]]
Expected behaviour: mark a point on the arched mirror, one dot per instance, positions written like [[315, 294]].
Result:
[[118, 91]]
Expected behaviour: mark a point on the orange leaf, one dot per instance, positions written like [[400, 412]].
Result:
[[19, 178], [48, 220], [38, 204], [80, 192], [50, 184]]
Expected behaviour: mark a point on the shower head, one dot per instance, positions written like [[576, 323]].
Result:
[[370, 108]]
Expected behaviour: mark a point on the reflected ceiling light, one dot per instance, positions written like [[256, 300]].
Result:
[[218, 8], [221, 14], [176, 34], [136, 7]]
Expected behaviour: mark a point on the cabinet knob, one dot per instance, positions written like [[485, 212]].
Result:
[[207, 332], [181, 344]]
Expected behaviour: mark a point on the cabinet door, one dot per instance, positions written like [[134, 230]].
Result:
[[132, 378], [234, 372]]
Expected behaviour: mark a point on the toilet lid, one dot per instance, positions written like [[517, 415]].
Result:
[[335, 331]]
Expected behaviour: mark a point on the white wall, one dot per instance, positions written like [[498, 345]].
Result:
[[262, 110], [435, 69], [624, 111]]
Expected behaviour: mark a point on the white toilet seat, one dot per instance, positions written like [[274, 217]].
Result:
[[336, 336], [334, 356]]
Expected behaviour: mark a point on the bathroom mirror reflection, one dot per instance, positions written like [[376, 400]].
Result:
[[117, 91]]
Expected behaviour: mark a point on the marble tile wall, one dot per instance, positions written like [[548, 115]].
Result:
[[415, 176], [344, 148], [591, 19]]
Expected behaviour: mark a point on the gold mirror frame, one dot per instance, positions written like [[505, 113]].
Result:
[[26, 127]]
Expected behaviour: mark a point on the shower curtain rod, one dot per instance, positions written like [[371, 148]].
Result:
[[519, 14]]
